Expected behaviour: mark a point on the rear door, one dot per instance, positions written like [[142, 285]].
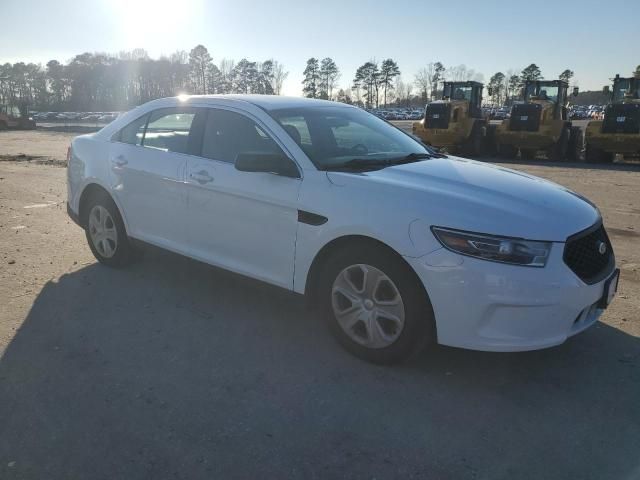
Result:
[[242, 221], [148, 162]]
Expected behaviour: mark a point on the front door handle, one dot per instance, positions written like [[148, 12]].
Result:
[[202, 177]]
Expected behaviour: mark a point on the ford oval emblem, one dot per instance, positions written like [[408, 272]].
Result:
[[602, 247]]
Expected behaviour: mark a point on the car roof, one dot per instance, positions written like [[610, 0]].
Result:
[[266, 102], [263, 102]]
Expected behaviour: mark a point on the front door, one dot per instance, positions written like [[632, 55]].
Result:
[[243, 221]]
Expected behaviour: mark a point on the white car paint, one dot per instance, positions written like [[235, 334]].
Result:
[[247, 223]]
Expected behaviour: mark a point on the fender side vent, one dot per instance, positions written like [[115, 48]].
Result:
[[311, 218]]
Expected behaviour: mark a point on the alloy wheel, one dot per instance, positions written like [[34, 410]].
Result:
[[368, 306], [102, 230]]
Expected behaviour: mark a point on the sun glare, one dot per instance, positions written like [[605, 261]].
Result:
[[152, 23]]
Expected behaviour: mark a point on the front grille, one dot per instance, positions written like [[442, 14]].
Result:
[[437, 115], [525, 117], [582, 254], [622, 118]]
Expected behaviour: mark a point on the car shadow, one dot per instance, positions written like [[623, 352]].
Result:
[[173, 369]]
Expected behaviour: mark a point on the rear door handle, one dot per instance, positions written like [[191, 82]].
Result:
[[120, 161], [202, 177]]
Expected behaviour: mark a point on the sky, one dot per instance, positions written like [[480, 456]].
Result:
[[594, 39]]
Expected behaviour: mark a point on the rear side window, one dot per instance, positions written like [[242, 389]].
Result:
[[132, 133], [168, 130], [226, 134]]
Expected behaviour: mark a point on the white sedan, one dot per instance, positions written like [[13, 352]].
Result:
[[397, 245]]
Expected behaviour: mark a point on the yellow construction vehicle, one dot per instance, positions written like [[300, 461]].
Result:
[[12, 117], [455, 123], [619, 132], [540, 123]]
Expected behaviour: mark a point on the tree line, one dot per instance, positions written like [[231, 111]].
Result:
[[376, 84], [103, 82], [371, 83]]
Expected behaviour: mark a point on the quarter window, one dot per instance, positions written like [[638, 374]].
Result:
[[168, 130], [226, 134], [132, 133]]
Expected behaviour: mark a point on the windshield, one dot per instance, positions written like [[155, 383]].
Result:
[[332, 136], [458, 92], [621, 87], [543, 92]]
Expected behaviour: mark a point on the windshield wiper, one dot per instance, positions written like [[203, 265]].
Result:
[[376, 164]]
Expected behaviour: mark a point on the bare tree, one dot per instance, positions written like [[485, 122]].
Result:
[[279, 76], [422, 80]]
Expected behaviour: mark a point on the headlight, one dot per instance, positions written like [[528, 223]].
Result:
[[494, 248]]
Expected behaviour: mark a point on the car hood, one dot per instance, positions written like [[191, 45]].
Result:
[[481, 197]]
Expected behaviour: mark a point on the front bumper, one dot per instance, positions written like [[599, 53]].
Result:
[[490, 306]]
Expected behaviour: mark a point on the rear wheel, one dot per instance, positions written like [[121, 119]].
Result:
[[558, 151], [596, 155], [105, 232], [375, 305]]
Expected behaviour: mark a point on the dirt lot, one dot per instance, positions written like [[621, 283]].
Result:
[[172, 369]]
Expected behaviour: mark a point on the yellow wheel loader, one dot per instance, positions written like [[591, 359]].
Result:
[[619, 132], [540, 123], [455, 123]]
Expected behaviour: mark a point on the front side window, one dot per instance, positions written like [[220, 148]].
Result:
[[226, 134], [332, 136], [168, 130]]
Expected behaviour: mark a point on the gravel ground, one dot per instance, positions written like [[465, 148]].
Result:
[[173, 369]]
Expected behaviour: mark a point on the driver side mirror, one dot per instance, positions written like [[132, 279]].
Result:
[[576, 90], [275, 163]]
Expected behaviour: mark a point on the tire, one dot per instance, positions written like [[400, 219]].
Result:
[[105, 232], [596, 155], [558, 152], [528, 154], [490, 146], [473, 147], [507, 151], [576, 144], [367, 333]]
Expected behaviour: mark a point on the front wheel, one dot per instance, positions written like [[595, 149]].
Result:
[[106, 233], [375, 305], [507, 151], [576, 144], [473, 147], [558, 151]]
